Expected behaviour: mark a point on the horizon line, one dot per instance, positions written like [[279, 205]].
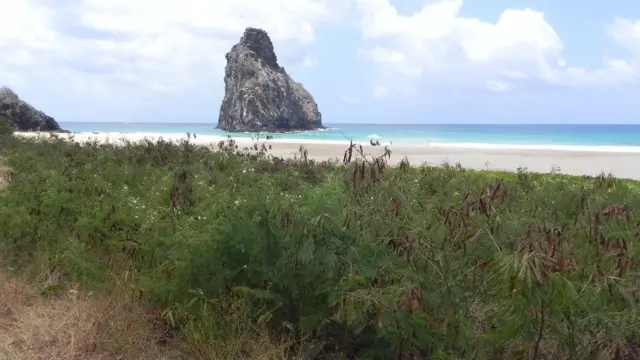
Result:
[[345, 123]]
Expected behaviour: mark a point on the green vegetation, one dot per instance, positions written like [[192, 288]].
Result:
[[359, 260], [5, 127]]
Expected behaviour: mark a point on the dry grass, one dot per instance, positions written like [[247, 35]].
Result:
[[5, 172], [77, 325], [70, 324], [235, 336], [37, 323]]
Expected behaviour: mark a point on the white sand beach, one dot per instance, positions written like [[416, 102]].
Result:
[[619, 161]]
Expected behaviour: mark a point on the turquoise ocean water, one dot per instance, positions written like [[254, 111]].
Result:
[[530, 135]]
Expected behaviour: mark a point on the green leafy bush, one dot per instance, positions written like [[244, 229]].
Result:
[[5, 127], [365, 260]]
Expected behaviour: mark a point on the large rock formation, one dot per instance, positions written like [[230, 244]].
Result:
[[259, 94], [23, 116]]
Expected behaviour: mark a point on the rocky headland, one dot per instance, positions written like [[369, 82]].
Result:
[[22, 116], [259, 94]]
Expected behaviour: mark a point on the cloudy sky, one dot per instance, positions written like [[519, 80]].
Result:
[[365, 61]]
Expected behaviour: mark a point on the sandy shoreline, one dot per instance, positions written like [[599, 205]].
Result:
[[582, 162]]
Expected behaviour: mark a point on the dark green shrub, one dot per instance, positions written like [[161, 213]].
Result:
[[5, 126]]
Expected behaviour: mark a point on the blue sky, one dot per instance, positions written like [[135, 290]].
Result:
[[365, 61]]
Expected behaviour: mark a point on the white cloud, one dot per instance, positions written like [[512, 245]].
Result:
[[163, 44], [627, 33], [438, 45], [140, 45], [379, 91], [498, 86]]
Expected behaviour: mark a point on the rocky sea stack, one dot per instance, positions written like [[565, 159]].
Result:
[[23, 116], [259, 94]]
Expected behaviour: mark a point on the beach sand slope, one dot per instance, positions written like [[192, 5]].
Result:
[[576, 161]]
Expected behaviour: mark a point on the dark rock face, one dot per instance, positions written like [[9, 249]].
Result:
[[259, 94], [23, 116]]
